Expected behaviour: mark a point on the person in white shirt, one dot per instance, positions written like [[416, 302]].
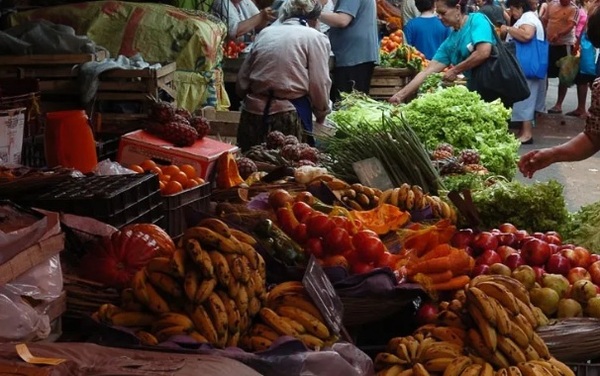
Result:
[[285, 78], [243, 17]]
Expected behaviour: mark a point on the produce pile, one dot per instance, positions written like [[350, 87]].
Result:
[[172, 178], [394, 53], [583, 227], [176, 125], [281, 150], [232, 49], [487, 329], [389, 14]]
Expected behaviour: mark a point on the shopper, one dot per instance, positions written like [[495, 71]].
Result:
[[467, 46], [494, 12], [559, 21], [426, 32], [586, 143], [243, 17], [355, 44], [526, 27], [409, 11], [285, 78]]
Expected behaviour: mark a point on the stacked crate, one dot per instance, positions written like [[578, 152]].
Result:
[[388, 81]]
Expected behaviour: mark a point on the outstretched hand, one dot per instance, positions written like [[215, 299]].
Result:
[[535, 160]]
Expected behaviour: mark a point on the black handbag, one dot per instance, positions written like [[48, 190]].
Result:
[[500, 76]]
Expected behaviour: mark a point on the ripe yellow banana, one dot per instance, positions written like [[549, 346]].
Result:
[[531, 354], [146, 339], [518, 290], [449, 318], [564, 369], [409, 204], [217, 226], [403, 353], [488, 333], [477, 360], [501, 294], [198, 337], [439, 350], [246, 269], [233, 340], [499, 360], [156, 303], [446, 334], [222, 339], [447, 211], [311, 341], [480, 299], [204, 290], [285, 288], [412, 345], [190, 284], [235, 265], [384, 360], [254, 306], [294, 324], [272, 319], [263, 330], [132, 319], [419, 197], [540, 346], [201, 258], [203, 324], [472, 370], [476, 342], [437, 365], [311, 323], [502, 317], [457, 366], [540, 317], [241, 299], [221, 267], [233, 314], [234, 287], [514, 371], [395, 197], [512, 351], [525, 325], [527, 311], [422, 370], [166, 284], [138, 284], [554, 371], [168, 319], [244, 238], [106, 311], [540, 370], [426, 343], [212, 240], [527, 369], [518, 335], [162, 265], [217, 312], [171, 331], [486, 370], [385, 196], [502, 372], [299, 301], [178, 262], [395, 370], [258, 282], [262, 269], [259, 343], [253, 257]]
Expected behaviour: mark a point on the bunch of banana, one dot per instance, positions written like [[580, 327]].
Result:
[[358, 196], [418, 354], [409, 198], [550, 367], [209, 290], [504, 322], [288, 311]]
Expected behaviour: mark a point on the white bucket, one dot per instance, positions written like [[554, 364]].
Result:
[[12, 126]]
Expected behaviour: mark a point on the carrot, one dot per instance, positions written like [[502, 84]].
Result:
[[439, 250], [453, 284], [436, 265], [433, 278], [461, 261]]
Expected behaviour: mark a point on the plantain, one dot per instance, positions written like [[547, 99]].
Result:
[[178, 262], [311, 323], [285, 288], [457, 366], [409, 201], [254, 258], [132, 319], [478, 298], [530, 353], [241, 300], [216, 309], [299, 301], [234, 287], [501, 294], [200, 257], [502, 372], [527, 369], [564, 369], [514, 371], [449, 318], [166, 284], [524, 325], [518, 335], [254, 306], [233, 340], [437, 365], [246, 269], [502, 318], [221, 267], [217, 226], [384, 360], [386, 196], [512, 351], [212, 240], [472, 370], [162, 265], [486, 370], [168, 319], [540, 317], [138, 283], [203, 324], [146, 339], [446, 334], [156, 303], [440, 350], [540, 346], [233, 314], [259, 343], [190, 284], [273, 320], [263, 330], [244, 238], [294, 324], [488, 333], [514, 286], [311, 341], [166, 333], [235, 265], [419, 197], [198, 337], [422, 370]]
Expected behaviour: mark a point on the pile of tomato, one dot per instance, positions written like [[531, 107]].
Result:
[[334, 240], [391, 42], [232, 49], [394, 53]]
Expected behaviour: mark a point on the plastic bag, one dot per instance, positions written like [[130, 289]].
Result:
[[19, 320], [42, 282], [108, 167], [568, 69]]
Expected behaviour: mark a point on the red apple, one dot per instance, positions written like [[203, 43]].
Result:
[[484, 240], [506, 238], [468, 250], [577, 273], [538, 235], [539, 273], [521, 236], [552, 239], [427, 313], [508, 227], [535, 252], [558, 264], [594, 271], [554, 248], [462, 238], [567, 246], [553, 233], [480, 269], [594, 257], [495, 231], [582, 257], [488, 257], [504, 251], [514, 260]]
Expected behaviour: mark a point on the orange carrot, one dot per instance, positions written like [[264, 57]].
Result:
[[436, 265], [453, 284], [433, 278], [461, 261], [439, 250]]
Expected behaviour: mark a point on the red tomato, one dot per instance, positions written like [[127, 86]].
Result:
[[319, 225], [337, 260], [361, 268], [358, 238], [302, 210], [300, 234], [351, 255], [354, 226], [339, 220], [387, 259], [370, 248], [314, 247], [336, 241]]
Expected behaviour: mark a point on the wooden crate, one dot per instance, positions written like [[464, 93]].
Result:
[[388, 81], [223, 124]]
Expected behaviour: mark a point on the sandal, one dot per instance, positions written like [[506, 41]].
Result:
[[529, 141], [554, 111], [576, 114]]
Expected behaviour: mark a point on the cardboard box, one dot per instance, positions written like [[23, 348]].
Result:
[[137, 146], [12, 127]]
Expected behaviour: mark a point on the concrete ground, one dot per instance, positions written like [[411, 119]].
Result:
[[580, 179]]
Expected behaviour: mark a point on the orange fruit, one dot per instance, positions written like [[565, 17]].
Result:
[[156, 170], [161, 185], [199, 181], [137, 168], [191, 183], [165, 178], [148, 164], [172, 188], [170, 170], [189, 170], [180, 177]]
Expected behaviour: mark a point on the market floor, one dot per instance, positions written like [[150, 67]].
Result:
[[580, 179]]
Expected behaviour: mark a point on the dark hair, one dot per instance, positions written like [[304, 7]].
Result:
[[523, 4], [593, 25], [424, 5], [464, 4], [488, 2]]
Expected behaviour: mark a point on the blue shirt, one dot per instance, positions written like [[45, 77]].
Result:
[[426, 34], [462, 42], [358, 42]]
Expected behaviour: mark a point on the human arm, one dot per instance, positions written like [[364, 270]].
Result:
[[414, 84], [543, 11], [476, 58], [506, 17], [336, 19], [318, 77], [523, 33], [258, 21]]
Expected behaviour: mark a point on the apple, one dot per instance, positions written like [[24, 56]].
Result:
[[504, 251], [468, 250], [553, 233], [582, 257], [514, 260], [484, 240], [506, 238], [558, 264], [538, 235], [539, 273], [427, 313], [552, 239], [462, 238], [567, 246], [577, 273], [521, 235], [535, 252], [488, 257], [594, 271], [594, 257], [508, 227], [480, 269], [495, 231], [554, 248]]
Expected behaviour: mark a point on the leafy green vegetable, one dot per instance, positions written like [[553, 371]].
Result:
[[536, 207], [460, 182], [357, 107], [584, 228], [461, 118], [432, 83]]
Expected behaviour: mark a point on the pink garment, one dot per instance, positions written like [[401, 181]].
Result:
[[581, 21]]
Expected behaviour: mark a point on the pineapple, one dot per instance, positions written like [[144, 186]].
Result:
[[439, 154], [180, 119], [183, 112], [291, 139], [275, 140], [450, 166], [446, 147], [469, 156], [177, 133], [201, 125], [246, 167], [291, 152], [309, 153], [304, 162], [476, 169], [161, 111]]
